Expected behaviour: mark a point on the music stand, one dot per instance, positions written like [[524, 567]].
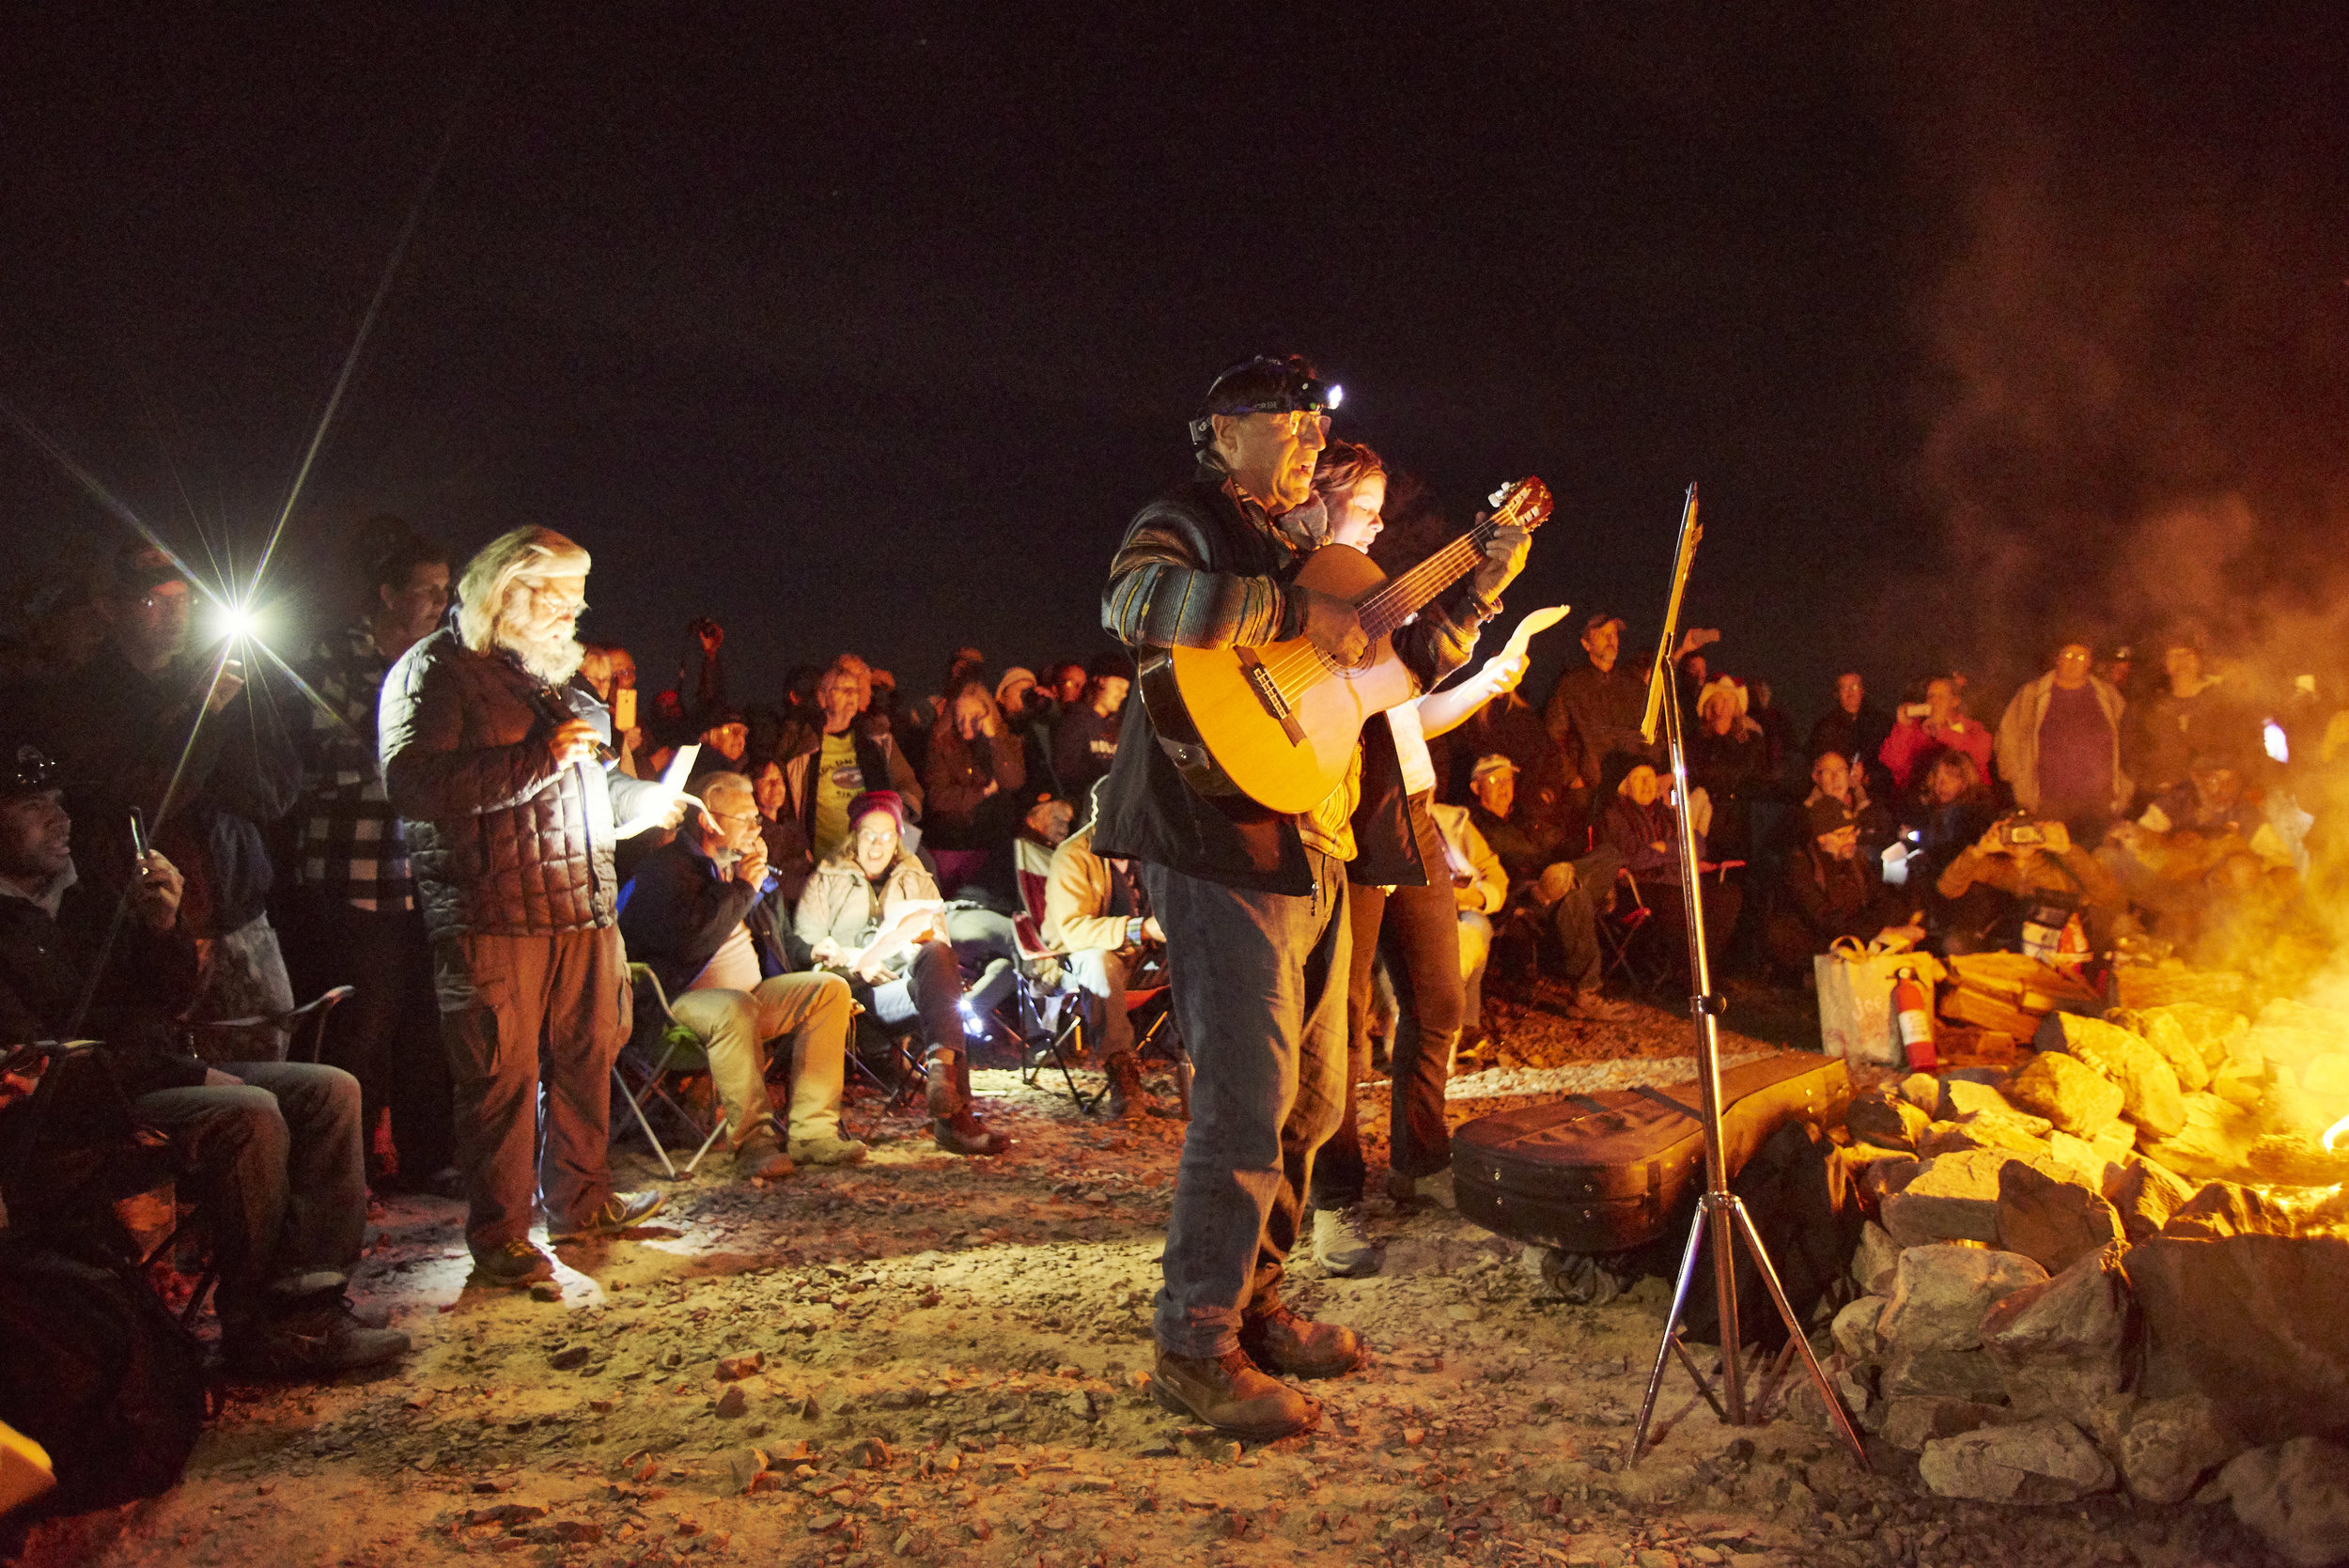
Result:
[[1721, 1213]]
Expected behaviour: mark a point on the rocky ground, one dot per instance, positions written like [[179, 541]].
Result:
[[934, 1360]]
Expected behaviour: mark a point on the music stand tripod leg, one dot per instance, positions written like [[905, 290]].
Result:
[[1794, 1330]]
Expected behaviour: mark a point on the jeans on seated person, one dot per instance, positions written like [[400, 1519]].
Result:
[[280, 1153], [986, 944], [1475, 937], [812, 1010], [1100, 976], [931, 990]]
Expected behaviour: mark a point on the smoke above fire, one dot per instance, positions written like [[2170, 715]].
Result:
[[2135, 333]]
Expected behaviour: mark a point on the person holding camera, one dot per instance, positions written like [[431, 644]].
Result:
[[272, 1146], [1923, 731], [2024, 865]]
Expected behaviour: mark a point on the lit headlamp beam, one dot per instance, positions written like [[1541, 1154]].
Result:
[[48, 446], [375, 308]]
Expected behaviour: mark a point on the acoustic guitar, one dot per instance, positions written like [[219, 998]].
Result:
[[1279, 723]]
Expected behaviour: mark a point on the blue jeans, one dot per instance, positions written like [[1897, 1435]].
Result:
[[278, 1154], [1259, 983]]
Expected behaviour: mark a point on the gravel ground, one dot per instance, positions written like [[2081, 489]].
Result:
[[933, 1361]]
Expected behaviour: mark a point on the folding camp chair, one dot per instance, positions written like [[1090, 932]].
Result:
[[309, 1018], [898, 1055], [667, 1052], [75, 1151], [1051, 1009]]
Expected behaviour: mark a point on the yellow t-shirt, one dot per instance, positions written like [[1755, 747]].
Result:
[[838, 780]]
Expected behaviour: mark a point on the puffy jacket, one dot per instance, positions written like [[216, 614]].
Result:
[[503, 842]]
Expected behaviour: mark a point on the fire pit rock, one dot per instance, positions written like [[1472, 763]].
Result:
[[2295, 1495], [2058, 1344], [1949, 1198], [2149, 1085], [2254, 1323], [2067, 1092], [2052, 1217], [1909, 1424], [1940, 1292], [2045, 1461], [2168, 1445]]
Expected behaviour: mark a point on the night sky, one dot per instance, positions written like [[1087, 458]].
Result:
[[871, 329]]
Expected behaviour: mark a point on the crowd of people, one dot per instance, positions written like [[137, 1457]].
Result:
[[521, 861]]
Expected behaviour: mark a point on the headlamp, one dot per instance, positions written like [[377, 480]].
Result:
[[27, 770], [1265, 386]]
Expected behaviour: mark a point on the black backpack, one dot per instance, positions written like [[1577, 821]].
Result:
[[97, 1371]]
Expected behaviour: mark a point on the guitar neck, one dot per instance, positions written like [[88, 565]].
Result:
[[1399, 598]]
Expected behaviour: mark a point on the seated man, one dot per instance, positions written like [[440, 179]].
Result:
[[1550, 880], [1831, 890], [1642, 823], [1096, 912], [872, 913], [1480, 888], [707, 914], [274, 1144]]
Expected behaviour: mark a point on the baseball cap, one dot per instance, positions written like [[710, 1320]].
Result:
[[1491, 763]]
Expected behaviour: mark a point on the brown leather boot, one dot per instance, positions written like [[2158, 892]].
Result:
[[1126, 1094], [1280, 1340], [1230, 1394], [953, 1124]]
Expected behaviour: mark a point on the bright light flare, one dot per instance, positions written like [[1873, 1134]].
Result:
[[232, 622], [2336, 1135], [2272, 735]]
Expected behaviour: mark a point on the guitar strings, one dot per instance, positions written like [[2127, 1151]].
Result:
[[1390, 605]]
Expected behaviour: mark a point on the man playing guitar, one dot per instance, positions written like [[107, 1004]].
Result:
[[1254, 901]]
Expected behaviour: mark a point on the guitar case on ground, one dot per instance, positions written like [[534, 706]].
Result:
[[1613, 1172]]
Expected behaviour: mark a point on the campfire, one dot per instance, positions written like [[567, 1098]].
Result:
[[2119, 1257]]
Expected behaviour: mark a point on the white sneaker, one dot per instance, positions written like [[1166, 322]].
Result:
[[1338, 1247]]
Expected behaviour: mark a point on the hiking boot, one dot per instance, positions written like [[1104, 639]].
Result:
[[759, 1158], [517, 1263], [953, 1124], [831, 1149], [1591, 1003], [1338, 1247], [316, 1340], [1126, 1097], [620, 1212], [1231, 1394], [1280, 1340]]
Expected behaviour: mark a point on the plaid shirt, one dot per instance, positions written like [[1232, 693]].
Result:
[[352, 847]]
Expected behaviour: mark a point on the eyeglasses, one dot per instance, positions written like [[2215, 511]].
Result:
[[733, 815], [877, 835], [562, 604]]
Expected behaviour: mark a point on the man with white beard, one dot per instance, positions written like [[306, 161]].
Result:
[[500, 766]]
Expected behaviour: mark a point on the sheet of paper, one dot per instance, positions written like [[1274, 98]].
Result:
[[1537, 622], [674, 777]]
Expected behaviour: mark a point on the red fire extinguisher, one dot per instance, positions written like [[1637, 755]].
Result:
[[1912, 1005]]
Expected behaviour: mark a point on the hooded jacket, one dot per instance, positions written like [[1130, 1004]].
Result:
[[1202, 569], [503, 842]]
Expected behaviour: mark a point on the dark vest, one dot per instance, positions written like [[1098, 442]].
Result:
[[1148, 813]]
